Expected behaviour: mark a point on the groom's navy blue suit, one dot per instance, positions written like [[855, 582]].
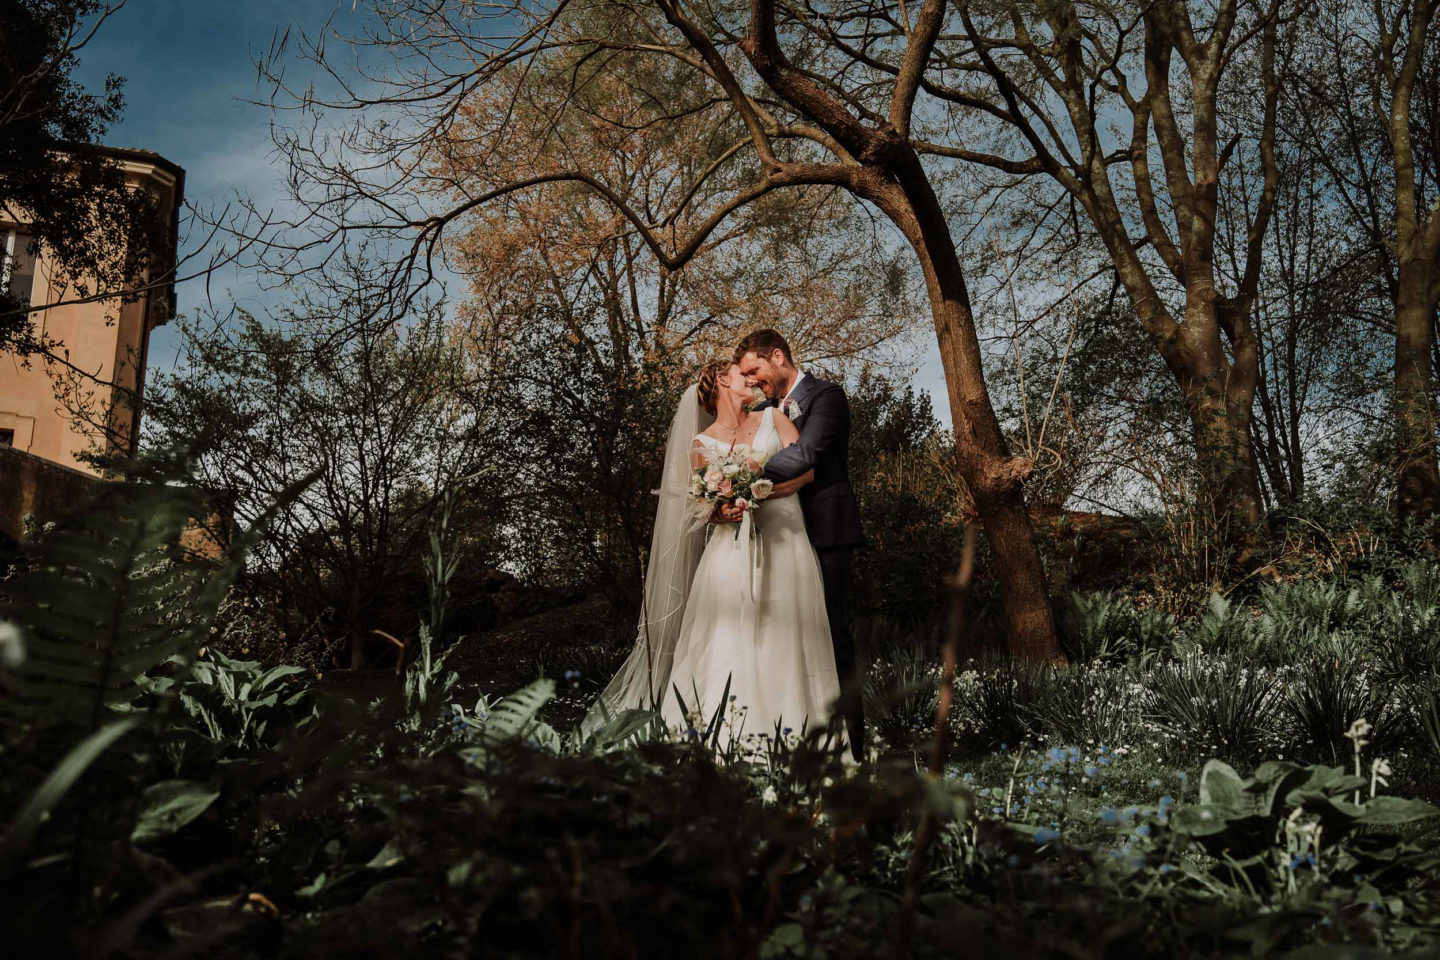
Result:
[[832, 517]]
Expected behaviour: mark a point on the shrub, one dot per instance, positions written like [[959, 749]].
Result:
[[902, 692], [1329, 693], [1086, 704], [1214, 704]]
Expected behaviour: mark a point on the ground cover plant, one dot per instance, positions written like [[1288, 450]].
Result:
[[1253, 780]]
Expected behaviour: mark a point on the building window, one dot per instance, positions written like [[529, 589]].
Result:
[[7, 437], [18, 274]]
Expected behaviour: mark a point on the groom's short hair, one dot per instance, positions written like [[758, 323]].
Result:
[[762, 343]]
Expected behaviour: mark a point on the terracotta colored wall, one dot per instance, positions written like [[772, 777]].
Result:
[[33, 485]]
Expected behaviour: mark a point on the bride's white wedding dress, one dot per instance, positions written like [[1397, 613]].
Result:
[[755, 618]]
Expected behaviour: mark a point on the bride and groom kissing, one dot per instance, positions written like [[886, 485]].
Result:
[[754, 627]]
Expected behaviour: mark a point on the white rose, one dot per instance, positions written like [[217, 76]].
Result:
[[730, 469], [762, 488]]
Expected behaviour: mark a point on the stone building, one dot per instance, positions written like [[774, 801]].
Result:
[[49, 411]]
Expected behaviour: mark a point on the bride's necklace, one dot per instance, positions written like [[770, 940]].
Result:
[[734, 434]]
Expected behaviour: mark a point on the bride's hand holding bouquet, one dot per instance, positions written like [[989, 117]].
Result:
[[734, 479]]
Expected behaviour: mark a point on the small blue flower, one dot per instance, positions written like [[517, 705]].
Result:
[[1143, 830], [1105, 761], [787, 731], [572, 674], [969, 778], [1044, 835], [1109, 815], [1056, 755], [1166, 802], [1167, 868], [1002, 748], [1302, 860], [1091, 770], [1072, 753]]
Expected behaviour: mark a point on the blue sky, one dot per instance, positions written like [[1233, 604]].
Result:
[[188, 66]]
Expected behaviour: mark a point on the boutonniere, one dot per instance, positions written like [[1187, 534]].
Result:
[[791, 408]]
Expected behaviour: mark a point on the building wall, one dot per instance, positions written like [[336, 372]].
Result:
[[61, 409], [33, 486]]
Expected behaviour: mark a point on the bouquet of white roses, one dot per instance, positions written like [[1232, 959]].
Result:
[[734, 477]]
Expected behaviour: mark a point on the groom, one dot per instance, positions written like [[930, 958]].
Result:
[[820, 411]]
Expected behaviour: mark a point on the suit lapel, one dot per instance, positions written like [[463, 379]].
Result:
[[802, 397]]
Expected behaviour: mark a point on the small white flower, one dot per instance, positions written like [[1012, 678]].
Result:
[[12, 645], [770, 796]]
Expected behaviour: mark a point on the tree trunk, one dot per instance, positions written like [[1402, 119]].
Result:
[[1219, 396], [1417, 477], [993, 475]]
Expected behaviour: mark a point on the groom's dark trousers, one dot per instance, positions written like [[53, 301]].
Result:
[[835, 571], [832, 519]]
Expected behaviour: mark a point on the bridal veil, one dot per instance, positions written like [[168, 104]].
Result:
[[675, 550]]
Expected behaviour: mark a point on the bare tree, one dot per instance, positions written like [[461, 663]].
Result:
[[1373, 123], [799, 111], [1090, 96]]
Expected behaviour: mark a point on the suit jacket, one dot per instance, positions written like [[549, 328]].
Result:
[[832, 517]]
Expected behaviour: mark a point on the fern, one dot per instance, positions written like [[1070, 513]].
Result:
[[515, 718], [106, 597], [1100, 625]]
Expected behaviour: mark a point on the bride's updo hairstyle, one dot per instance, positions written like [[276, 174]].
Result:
[[707, 388]]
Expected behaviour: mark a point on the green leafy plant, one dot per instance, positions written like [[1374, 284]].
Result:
[[1327, 694], [103, 600], [1086, 704], [902, 690], [1213, 704], [1261, 829], [1101, 625]]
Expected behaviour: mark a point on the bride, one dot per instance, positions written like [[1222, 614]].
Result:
[[722, 609]]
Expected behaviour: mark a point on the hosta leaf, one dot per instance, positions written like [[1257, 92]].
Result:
[[1199, 820], [171, 805], [1392, 810], [1221, 786]]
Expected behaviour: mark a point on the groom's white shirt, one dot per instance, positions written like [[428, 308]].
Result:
[[799, 375]]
